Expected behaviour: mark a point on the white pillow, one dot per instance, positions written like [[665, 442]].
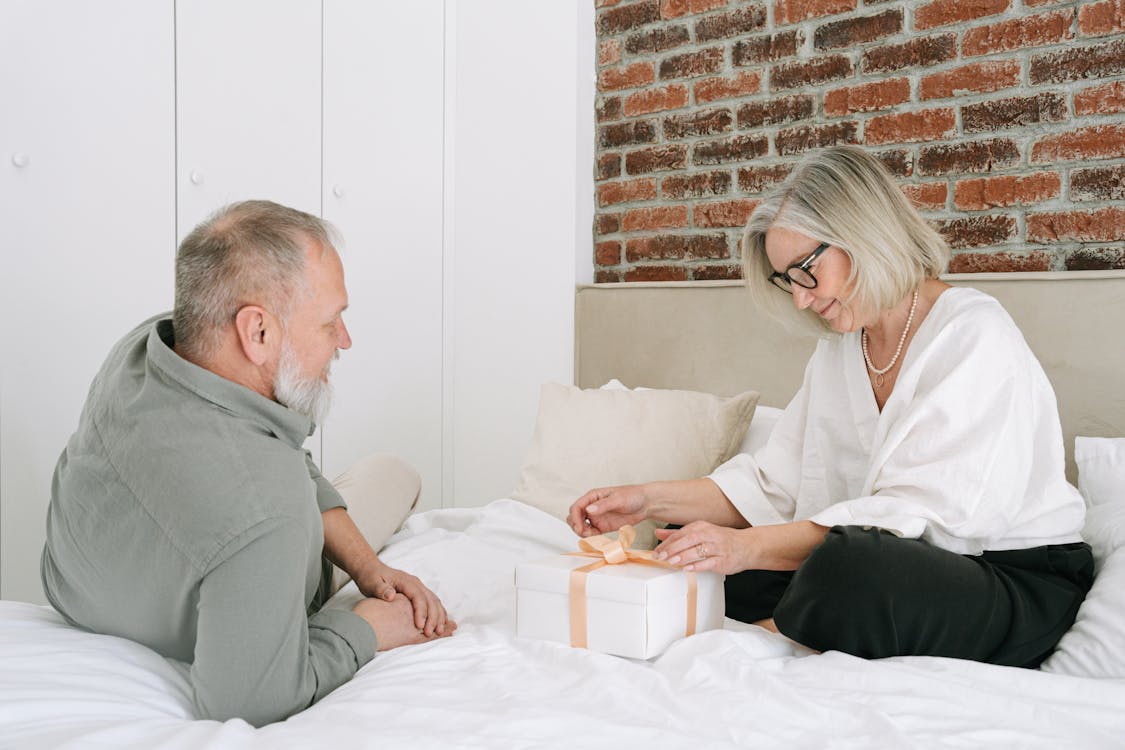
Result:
[[603, 437], [1093, 646]]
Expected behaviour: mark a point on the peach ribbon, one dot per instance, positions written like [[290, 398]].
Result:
[[610, 551]]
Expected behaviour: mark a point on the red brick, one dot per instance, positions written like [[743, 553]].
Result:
[[971, 157], [607, 253], [656, 273], [725, 272], [637, 74], [1037, 260], [854, 31], [733, 23], [610, 193], [866, 97], [738, 148], [1095, 259], [923, 52], [692, 64], [608, 166], [1100, 100], [656, 100], [627, 17], [658, 217], [977, 78], [723, 213], [677, 246], [608, 108], [927, 196], [655, 159], [797, 140], [1017, 112], [1075, 63], [793, 11], [945, 12], [700, 122], [712, 89], [1103, 225], [677, 8], [757, 179], [607, 277], [607, 223], [1098, 184], [1099, 19], [658, 39], [810, 72], [1018, 33], [1041, 3], [977, 231], [695, 185], [627, 133], [898, 162], [776, 110], [924, 125], [1097, 142], [605, 3], [1007, 190], [765, 48], [609, 52]]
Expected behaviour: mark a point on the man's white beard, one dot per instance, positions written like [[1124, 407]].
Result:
[[311, 397]]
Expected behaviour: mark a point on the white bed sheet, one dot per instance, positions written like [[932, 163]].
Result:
[[484, 688]]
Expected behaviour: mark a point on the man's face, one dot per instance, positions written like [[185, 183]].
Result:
[[313, 337]]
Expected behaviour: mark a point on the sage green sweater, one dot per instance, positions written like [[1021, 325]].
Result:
[[185, 515]]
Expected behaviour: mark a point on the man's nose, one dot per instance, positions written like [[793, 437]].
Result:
[[345, 338]]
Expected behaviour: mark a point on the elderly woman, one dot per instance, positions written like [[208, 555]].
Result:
[[912, 499]]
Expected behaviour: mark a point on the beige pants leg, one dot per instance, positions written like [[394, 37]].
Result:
[[381, 491]]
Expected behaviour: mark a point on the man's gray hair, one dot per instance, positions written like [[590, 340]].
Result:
[[247, 253]]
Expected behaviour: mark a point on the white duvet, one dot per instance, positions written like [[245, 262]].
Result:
[[484, 688]]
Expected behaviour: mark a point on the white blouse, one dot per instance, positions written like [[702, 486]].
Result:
[[966, 454]]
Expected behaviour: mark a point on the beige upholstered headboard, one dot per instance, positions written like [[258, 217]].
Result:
[[708, 336]]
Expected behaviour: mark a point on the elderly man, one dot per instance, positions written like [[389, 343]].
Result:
[[185, 514]]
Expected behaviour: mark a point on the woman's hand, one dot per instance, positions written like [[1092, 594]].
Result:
[[704, 546], [608, 509]]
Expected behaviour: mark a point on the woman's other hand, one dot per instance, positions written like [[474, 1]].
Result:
[[608, 509], [703, 546]]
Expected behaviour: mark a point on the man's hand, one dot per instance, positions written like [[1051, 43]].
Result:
[[383, 582], [391, 620]]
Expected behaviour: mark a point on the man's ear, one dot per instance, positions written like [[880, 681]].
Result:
[[259, 333]]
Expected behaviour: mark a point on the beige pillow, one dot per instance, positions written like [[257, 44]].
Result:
[[599, 438]]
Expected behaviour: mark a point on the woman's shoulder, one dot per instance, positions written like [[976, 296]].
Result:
[[973, 316]]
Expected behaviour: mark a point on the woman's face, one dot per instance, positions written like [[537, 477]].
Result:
[[785, 247]]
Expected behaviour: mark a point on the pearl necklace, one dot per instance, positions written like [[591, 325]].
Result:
[[879, 373]]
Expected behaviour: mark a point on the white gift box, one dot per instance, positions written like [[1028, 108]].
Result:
[[632, 609]]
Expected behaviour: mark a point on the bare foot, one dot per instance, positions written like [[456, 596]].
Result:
[[393, 622]]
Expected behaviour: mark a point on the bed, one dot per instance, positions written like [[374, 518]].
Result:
[[736, 687]]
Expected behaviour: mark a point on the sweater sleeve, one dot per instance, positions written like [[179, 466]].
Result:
[[327, 497], [258, 656]]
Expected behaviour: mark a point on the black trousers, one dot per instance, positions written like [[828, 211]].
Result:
[[870, 593]]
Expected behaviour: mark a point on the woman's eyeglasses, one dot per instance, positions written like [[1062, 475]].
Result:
[[798, 273]]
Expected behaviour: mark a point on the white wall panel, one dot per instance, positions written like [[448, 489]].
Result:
[[512, 250], [248, 104], [383, 104], [87, 210]]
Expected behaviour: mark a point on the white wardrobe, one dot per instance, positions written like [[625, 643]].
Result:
[[451, 143]]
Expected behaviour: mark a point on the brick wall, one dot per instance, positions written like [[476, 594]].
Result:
[[1003, 119]]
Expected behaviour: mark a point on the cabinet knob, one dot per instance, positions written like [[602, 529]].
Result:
[[195, 177], [337, 191], [20, 160]]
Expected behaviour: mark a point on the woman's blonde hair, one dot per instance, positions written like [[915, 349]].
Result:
[[846, 197]]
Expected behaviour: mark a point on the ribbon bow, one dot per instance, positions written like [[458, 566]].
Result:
[[611, 551]]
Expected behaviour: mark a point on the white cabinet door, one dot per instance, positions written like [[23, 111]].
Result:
[[87, 210], [248, 104], [383, 104]]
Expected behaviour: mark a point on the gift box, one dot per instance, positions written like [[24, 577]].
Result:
[[615, 600]]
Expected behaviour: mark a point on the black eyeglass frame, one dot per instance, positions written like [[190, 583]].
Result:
[[783, 280]]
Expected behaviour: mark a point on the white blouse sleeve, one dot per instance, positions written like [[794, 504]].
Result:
[[763, 486]]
